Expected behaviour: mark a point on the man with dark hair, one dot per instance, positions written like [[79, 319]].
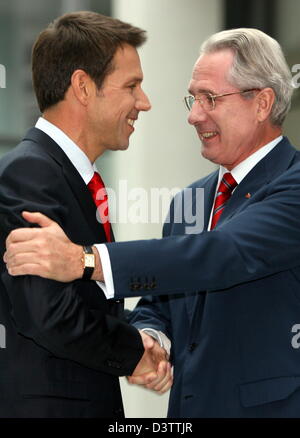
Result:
[[81, 40], [66, 345], [229, 295]]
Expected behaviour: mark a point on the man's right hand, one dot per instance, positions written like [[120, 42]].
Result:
[[154, 370], [45, 251]]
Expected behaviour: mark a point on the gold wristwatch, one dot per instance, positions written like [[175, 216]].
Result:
[[88, 260]]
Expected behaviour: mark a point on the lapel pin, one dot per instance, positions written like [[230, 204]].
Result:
[[248, 196]]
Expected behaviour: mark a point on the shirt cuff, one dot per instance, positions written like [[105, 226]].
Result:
[[108, 285]]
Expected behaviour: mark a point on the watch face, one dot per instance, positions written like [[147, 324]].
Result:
[[89, 260]]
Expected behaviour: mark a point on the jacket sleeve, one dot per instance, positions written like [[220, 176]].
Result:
[[258, 241], [152, 312], [51, 313]]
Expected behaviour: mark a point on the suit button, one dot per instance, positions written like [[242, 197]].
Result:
[[192, 346], [134, 283], [153, 283], [135, 286], [146, 284], [113, 363]]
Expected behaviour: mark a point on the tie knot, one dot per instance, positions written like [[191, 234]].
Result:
[[96, 187], [227, 184], [96, 180]]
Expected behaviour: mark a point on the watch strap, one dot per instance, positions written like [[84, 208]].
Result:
[[87, 270]]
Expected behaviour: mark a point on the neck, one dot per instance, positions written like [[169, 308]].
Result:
[[73, 125], [268, 135]]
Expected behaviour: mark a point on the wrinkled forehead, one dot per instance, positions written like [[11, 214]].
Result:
[[214, 61], [212, 68]]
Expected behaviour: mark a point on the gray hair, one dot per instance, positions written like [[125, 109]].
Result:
[[258, 63]]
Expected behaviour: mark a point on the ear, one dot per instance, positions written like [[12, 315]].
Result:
[[265, 99], [82, 86]]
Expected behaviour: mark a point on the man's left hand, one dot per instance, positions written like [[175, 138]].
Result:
[[45, 251]]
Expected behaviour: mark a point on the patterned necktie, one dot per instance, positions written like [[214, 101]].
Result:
[[226, 186], [97, 188]]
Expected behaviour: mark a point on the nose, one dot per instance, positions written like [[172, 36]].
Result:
[[143, 102], [197, 114]]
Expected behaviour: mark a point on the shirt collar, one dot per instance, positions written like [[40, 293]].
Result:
[[77, 157], [242, 169]]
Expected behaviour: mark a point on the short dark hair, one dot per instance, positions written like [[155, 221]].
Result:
[[80, 40]]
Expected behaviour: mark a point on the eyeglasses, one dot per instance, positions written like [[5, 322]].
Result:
[[208, 100]]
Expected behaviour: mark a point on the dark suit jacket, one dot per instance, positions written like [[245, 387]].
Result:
[[232, 300], [66, 344]]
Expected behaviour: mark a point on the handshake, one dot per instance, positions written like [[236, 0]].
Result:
[[153, 370]]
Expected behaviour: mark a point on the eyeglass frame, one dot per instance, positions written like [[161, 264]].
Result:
[[214, 97]]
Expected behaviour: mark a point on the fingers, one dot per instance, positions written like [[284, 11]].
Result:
[[21, 235], [14, 249], [160, 382], [26, 263], [164, 379], [167, 386], [142, 379], [28, 269], [19, 251], [24, 234], [37, 218], [21, 258]]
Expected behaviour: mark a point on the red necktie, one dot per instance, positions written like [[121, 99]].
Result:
[[97, 188], [227, 184]]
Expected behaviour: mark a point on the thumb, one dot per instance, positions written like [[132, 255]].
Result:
[[148, 341], [37, 218]]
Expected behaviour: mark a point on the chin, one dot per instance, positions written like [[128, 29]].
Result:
[[211, 154], [122, 148], [206, 153]]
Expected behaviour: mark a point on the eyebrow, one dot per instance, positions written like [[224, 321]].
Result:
[[200, 90], [137, 79]]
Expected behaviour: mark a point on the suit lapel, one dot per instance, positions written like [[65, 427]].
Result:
[[266, 170], [74, 179], [85, 201], [209, 196]]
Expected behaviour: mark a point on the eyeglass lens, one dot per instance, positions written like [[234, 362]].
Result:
[[204, 99]]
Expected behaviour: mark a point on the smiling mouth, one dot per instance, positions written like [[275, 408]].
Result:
[[207, 135]]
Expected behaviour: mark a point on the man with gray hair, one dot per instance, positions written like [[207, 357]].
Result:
[[227, 298]]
